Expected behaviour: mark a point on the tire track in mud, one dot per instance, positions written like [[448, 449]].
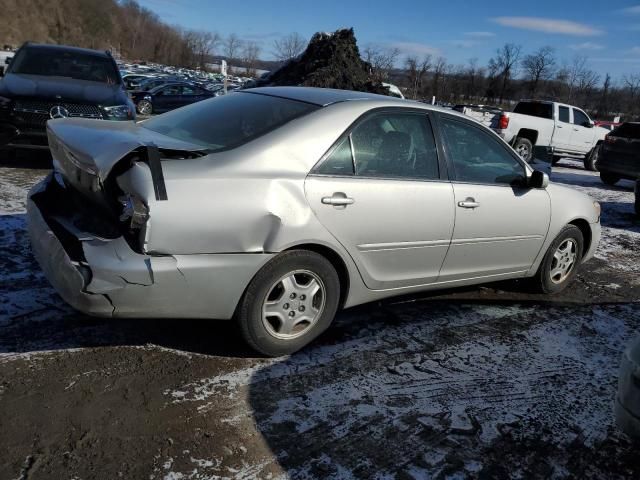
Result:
[[337, 411]]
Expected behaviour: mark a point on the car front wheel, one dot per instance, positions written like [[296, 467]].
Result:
[[561, 261], [289, 302], [144, 107], [591, 160]]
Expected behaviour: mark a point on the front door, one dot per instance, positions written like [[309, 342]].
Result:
[[500, 224], [581, 135], [379, 192]]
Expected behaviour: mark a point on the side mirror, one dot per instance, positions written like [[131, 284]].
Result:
[[538, 179], [588, 124]]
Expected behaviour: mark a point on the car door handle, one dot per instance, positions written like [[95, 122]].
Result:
[[338, 199], [469, 203], [576, 129]]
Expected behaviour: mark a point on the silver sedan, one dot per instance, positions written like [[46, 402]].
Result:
[[275, 207]]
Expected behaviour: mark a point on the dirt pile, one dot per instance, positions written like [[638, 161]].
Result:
[[331, 60]]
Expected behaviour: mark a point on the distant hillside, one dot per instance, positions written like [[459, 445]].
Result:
[[134, 31]]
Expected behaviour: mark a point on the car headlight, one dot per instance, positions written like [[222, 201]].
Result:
[[118, 112], [598, 209]]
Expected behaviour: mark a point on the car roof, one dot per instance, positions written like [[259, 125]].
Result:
[[317, 96], [66, 48]]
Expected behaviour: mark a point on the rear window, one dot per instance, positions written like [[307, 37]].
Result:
[[229, 121], [535, 109], [627, 130], [53, 62]]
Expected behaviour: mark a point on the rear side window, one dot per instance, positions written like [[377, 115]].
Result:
[[627, 130], [579, 118], [395, 145], [478, 157], [535, 109], [229, 121], [564, 114]]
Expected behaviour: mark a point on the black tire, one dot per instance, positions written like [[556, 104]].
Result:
[[524, 148], [144, 107], [249, 313], [609, 178], [591, 160], [542, 280]]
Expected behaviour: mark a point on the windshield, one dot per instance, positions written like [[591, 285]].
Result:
[[53, 62], [229, 121]]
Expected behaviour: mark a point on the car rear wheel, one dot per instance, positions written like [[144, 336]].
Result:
[[591, 160], [561, 261], [524, 148], [144, 107], [609, 178], [289, 302]]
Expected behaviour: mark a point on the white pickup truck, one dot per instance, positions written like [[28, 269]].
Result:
[[565, 128]]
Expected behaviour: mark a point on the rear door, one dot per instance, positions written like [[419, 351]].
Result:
[[581, 135], [564, 128], [382, 193], [500, 224]]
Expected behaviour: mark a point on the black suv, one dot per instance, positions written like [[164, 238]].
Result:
[[43, 82]]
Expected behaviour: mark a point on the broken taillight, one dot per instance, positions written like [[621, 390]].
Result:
[[134, 211]]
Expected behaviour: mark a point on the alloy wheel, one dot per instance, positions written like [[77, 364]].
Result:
[[564, 259], [293, 304]]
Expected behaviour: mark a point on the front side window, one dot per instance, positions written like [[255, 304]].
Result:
[[391, 145], [477, 157], [229, 121], [580, 118]]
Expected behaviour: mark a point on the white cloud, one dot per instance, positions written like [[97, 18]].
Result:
[[464, 43], [480, 34], [418, 49], [586, 46], [549, 25], [635, 10]]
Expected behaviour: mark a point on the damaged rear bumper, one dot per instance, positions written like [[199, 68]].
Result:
[[105, 277]]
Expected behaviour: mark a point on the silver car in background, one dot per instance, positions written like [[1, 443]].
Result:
[[276, 207]]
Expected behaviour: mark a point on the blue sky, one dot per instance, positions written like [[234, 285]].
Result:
[[606, 31]]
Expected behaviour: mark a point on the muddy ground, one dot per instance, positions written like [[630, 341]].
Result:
[[486, 382]]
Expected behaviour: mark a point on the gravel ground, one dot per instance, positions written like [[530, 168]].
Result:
[[485, 382]]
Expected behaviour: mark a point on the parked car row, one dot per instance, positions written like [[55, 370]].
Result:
[[161, 89]]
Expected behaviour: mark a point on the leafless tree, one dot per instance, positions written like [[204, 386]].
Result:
[[416, 70], [250, 56], [539, 66], [506, 62], [233, 45], [204, 45], [382, 60], [289, 47]]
